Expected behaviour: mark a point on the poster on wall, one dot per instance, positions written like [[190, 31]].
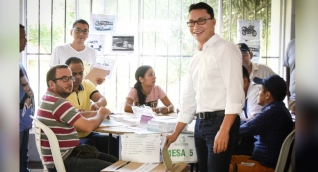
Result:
[[255, 47], [101, 23], [123, 43], [97, 42], [249, 29], [106, 64]]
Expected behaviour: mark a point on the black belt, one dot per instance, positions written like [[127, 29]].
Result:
[[210, 115]]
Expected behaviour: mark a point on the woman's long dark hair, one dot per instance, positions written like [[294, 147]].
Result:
[[140, 72]]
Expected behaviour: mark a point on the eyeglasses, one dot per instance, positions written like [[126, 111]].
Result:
[[66, 78], [78, 30], [199, 22]]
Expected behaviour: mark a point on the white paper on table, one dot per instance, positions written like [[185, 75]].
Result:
[[144, 146], [110, 123], [146, 167]]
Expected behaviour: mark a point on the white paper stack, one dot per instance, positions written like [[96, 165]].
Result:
[[117, 118], [167, 126], [162, 124], [131, 121]]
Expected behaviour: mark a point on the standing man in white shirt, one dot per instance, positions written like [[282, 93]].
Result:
[[214, 90], [77, 48]]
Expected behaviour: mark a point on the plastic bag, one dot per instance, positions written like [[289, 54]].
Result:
[[143, 110]]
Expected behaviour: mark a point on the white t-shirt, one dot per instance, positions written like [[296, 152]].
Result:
[[63, 52], [252, 106]]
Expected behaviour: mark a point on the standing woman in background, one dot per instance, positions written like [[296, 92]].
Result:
[[145, 92]]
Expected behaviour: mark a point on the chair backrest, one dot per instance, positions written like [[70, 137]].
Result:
[[54, 144], [286, 154]]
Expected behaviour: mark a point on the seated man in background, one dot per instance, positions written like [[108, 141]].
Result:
[[254, 70], [83, 92], [61, 117], [251, 107], [270, 127]]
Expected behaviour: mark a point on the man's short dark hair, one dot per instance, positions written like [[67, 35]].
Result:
[[246, 74], [50, 75], [73, 60], [202, 5], [21, 26], [82, 21]]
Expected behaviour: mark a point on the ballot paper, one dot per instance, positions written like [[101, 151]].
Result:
[[144, 146], [165, 154]]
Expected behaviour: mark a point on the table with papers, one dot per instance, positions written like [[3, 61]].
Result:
[[132, 134]]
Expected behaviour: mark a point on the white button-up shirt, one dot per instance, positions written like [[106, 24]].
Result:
[[260, 71], [215, 80]]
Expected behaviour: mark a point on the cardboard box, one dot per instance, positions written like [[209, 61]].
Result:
[[177, 167]]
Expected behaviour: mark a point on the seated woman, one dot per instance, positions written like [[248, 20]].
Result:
[[145, 92]]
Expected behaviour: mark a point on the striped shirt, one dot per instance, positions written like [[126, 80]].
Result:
[[59, 115]]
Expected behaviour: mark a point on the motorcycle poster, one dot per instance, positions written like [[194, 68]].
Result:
[[249, 29]]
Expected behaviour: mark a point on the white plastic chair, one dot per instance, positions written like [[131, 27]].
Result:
[[55, 148], [286, 154]]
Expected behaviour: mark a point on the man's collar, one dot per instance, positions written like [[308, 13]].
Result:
[[80, 88], [52, 93], [213, 39], [254, 66]]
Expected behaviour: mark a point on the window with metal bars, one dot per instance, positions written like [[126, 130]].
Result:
[[162, 38]]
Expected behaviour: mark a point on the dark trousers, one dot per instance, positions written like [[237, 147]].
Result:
[[24, 148], [100, 141], [76, 164], [244, 146], [205, 132]]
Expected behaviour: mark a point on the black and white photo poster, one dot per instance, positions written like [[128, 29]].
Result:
[[123, 43], [249, 29], [101, 23]]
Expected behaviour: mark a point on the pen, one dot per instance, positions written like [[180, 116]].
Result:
[[123, 165]]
